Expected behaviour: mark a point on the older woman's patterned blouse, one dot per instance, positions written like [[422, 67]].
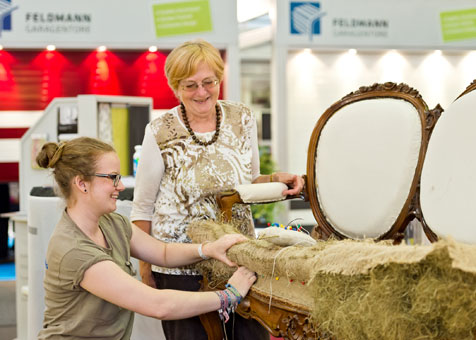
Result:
[[177, 179]]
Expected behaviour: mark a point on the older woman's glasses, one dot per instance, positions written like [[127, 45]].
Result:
[[207, 84], [115, 178]]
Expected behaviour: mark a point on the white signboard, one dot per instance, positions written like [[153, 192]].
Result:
[[116, 23], [377, 23]]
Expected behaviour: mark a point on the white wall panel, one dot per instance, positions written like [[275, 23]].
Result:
[[9, 150], [18, 119], [315, 80]]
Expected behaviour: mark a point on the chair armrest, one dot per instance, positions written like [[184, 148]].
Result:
[[225, 201]]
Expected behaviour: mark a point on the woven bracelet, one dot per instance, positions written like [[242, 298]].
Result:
[[223, 311], [235, 292], [233, 301]]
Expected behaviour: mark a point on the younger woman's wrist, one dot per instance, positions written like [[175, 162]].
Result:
[[230, 298], [236, 294]]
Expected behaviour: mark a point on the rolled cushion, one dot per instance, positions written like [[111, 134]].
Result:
[[262, 192], [284, 238]]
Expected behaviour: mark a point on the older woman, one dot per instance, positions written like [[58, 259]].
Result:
[[90, 291], [189, 154]]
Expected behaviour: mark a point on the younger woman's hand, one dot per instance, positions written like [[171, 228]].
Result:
[[242, 279], [218, 248]]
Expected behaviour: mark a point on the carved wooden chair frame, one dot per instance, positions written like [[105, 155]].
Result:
[[411, 208]]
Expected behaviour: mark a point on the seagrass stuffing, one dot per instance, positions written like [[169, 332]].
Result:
[[361, 289]]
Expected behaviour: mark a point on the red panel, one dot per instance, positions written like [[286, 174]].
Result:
[[9, 172], [12, 132], [29, 80]]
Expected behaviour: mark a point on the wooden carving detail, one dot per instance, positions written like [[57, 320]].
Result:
[[388, 86], [432, 117], [473, 84], [416, 212], [297, 327], [471, 87], [282, 320]]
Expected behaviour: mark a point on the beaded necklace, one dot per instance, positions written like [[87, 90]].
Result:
[[192, 134]]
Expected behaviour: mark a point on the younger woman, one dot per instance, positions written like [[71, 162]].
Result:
[[90, 289]]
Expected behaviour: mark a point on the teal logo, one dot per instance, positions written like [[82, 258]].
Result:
[[6, 8], [305, 18]]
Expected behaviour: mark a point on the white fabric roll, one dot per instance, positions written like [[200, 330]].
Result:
[[262, 192]]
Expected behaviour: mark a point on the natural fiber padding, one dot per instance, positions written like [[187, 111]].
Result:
[[362, 289]]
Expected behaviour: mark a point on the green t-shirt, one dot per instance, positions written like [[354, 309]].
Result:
[[72, 312]]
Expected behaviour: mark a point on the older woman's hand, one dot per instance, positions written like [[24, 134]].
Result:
[[218, 248], [295, 183]]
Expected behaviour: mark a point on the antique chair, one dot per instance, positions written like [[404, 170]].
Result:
[[448, 179], [364, 162]]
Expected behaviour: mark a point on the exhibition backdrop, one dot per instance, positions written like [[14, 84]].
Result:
[[116, 23]]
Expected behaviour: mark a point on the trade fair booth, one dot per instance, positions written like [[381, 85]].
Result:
[[321, 51], [91, 73]]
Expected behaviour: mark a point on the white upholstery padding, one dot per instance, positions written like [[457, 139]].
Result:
[[366, 160], [261, 192], [448, 180], [285, 238]]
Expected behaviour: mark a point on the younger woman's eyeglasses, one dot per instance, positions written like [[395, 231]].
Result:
[[115, 178], [207, 84]]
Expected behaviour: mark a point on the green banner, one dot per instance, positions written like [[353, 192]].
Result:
[[175, 18], [458, 25]]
